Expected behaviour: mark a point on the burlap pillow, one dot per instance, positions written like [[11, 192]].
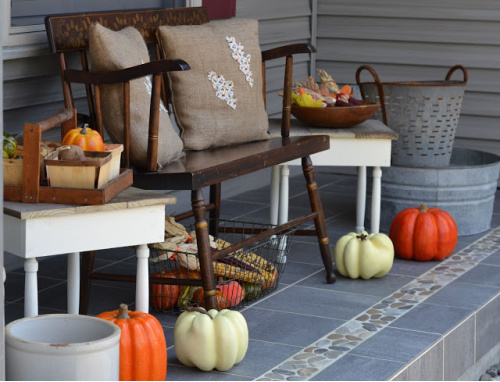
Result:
[[110, 50], [219, 101]]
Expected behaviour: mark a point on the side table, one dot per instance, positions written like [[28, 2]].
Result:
[[132, 218], [365, 145]]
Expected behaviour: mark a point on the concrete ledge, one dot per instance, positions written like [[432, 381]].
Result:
[[463, 353]]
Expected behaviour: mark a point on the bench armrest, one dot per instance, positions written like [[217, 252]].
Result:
[[124, 75]]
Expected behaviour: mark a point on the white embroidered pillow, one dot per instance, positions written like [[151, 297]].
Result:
[[219, 101], [115, 50]]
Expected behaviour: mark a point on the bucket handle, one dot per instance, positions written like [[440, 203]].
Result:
[[462, 68], [380, 88]]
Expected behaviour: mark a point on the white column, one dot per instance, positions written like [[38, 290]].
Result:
[[30, 287], [142, 282], [376, 199], [284, 191], [361, 199], [274, 197], [73, 282]]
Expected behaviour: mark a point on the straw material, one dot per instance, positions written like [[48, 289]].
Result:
[[110, 50], [205, 119]]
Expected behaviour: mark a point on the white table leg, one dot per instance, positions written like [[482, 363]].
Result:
[[73, 282], [361, 199], [376, 199], [142, 281], [275, 187], [284, 191], [30, 287]]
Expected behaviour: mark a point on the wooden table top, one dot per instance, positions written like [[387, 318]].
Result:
[[129, 198], [370, 129]]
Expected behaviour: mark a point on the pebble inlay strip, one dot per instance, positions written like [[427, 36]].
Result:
[[324, 352]]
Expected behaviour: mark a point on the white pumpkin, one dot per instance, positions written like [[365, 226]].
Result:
[[210, 339], [364, 255]]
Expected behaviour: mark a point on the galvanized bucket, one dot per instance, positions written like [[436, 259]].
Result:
[[466, 190], [424, 114]]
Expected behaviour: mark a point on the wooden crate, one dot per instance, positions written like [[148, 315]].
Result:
[[116, 151], [13, 168], [92, 173], [12, 172], [32, 190]]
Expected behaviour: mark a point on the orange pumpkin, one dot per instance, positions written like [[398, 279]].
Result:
[[164, 296], [423, 234], [228, 295], [199, 298], [85, 137], [143, 349], [233, 292]]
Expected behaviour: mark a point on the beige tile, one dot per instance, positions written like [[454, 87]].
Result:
[[487, 327], [459, 349], [428, 366]]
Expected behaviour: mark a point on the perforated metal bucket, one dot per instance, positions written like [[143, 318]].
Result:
[[425, 115]]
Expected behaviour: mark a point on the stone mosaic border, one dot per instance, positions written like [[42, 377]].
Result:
[[324, 352]]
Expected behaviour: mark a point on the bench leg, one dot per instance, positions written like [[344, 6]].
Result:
[[319, 221], [214, 215], [204, 251], [86, 280]]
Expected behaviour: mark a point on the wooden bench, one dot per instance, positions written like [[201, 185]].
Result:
[[198, 169]]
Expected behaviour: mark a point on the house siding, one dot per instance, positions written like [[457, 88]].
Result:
[[33, 83], [401, 40], [280, 24], [421, 40]]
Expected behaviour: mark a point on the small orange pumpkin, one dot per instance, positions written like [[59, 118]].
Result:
[[199, 298], [85, 137], [423, 234], [233, 292], [228, 295], [165, 296], [143, 349]]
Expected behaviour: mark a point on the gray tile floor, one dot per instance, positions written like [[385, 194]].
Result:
[[304, 308]]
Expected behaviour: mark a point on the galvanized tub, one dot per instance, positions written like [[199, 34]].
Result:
[[425, 115], [465, 189]]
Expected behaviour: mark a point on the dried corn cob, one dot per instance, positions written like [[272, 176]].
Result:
[[232, 272], [255, 260], [328, 81]]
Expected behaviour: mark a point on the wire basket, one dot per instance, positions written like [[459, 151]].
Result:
[[243, 276], [425, 115]]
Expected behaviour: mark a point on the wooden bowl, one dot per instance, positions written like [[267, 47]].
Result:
[[336, 116]]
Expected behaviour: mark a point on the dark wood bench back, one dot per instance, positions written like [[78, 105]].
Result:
[[70, 32]]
